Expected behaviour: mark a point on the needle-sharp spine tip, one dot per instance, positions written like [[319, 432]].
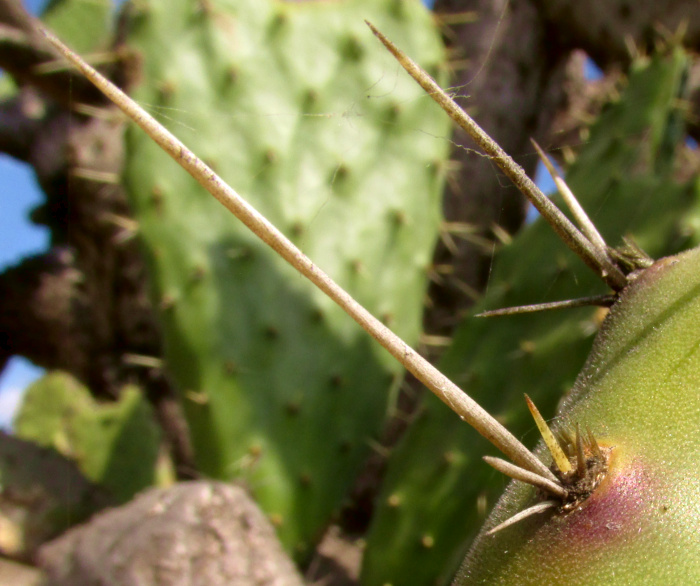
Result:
[[518, 473], [533, 510], [580, 455], [560, 459]]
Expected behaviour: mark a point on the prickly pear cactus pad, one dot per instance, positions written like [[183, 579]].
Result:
[[438, 491], [296, 106], [114, 445], [639, 391]]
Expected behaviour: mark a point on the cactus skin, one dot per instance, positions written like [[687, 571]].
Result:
[[115, 445], [639, 393], [281, 389], [437, 490]]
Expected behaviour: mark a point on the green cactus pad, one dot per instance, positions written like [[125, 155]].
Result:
[[114, 444], [622, 176], [298, 108]]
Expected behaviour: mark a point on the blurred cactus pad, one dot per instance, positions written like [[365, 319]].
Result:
[[300, 109], [114, 444]]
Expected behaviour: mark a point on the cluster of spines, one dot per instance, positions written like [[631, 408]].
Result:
[[579, 464]]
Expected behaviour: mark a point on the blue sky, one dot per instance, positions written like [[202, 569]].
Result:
[[19, 238]]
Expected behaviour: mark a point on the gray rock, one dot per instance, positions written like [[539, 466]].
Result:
[[191, 534]]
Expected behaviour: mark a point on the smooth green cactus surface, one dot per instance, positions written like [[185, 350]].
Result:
[[639, 395], [298, 108], [438, 491], [114, 444]]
